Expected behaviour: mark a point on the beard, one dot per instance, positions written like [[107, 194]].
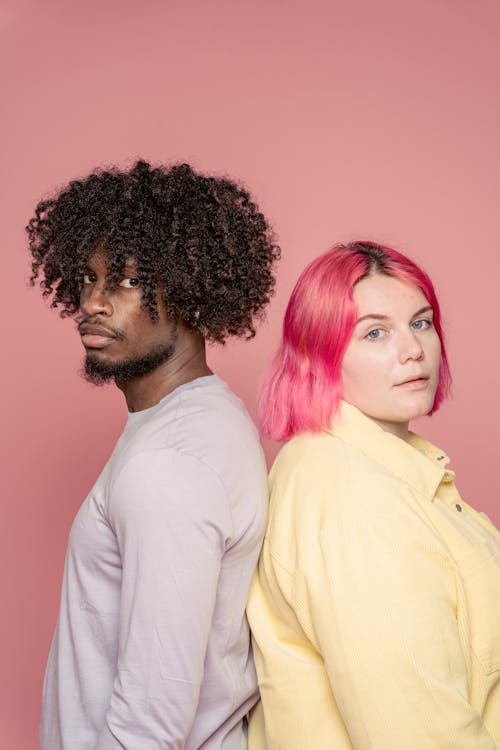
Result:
[[100, 372]]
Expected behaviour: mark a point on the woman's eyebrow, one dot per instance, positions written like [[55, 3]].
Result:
[[422, 310], [375, 316]]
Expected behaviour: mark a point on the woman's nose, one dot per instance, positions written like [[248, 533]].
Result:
[[410, 348]]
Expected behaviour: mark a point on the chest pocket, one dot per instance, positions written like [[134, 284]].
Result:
[[479, 570]]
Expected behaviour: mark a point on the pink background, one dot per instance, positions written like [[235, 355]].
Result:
[[354, 119]]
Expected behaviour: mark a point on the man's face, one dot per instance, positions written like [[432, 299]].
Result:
[[120, 339]]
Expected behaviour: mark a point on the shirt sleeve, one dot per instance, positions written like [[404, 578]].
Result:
[[172, 520], [380, 605]]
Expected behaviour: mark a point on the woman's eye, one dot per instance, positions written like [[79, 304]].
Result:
[[89, 278], [375, 334], [422, 324], [129, 283]]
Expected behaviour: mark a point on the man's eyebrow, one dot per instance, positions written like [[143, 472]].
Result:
[[376, 316], [130, 265]]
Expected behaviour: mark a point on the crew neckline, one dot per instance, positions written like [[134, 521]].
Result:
[[134, 416]]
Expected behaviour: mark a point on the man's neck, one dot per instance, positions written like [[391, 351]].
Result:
[[186, 364]]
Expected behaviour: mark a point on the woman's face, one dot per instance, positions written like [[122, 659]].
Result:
[[390, 369]]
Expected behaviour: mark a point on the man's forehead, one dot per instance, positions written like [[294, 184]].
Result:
[[101, 258]]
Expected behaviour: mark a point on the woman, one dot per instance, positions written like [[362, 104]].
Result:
[[375, 609]]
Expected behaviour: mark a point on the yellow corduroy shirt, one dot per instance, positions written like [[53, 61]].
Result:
[[375, 609]]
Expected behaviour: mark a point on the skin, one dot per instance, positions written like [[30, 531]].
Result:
[[390, 369], [114, 328]]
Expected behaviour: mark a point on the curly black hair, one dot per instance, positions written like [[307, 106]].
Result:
[[200, 240]]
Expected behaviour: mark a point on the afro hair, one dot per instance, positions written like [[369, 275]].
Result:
[[201, 241]]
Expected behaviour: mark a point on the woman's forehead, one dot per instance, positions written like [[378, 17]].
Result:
[[380, 294]]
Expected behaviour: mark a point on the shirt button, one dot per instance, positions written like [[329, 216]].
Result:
[[458, 507]]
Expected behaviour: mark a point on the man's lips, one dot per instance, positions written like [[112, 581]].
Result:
[[95, 336]]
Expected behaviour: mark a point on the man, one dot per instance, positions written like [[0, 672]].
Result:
[[151, 649]]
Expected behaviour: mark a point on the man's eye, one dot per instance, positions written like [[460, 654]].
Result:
[[89, 278], [130, 283]]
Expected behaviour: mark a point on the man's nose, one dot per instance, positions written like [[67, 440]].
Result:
[[94, 300]]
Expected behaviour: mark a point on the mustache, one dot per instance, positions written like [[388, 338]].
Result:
[[87, 322]]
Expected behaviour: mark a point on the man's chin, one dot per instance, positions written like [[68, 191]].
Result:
[[97, 372], [100, 371]]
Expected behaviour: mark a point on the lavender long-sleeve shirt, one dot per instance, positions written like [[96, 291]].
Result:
[[151, 649]]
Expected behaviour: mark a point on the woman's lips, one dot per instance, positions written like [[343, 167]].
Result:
[[415, 384]]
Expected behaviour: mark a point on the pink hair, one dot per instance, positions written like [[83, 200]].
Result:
[[304, 387]]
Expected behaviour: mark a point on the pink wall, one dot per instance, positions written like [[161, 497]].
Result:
[[347, 119]]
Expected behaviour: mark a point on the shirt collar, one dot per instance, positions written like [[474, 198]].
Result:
[[416, 461]]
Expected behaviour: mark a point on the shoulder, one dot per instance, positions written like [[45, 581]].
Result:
[[198, 443], [309, 481], [324, 466], [309, 455], [203, 419], [165, 489], [206, 417], [166, 470], [324, 487]]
